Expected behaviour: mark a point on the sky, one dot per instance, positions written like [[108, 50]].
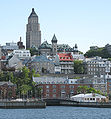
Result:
[[85, 22]]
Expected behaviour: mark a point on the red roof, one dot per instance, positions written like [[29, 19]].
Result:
[[65, 57]]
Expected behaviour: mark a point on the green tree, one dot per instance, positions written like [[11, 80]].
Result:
[[78, 67]]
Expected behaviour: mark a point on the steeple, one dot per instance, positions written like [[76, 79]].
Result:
[[33, 14], [54, 39]]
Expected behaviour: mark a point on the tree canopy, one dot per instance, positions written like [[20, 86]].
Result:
[[101, 52]]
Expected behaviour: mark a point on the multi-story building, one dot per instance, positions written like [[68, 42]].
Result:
[[33, 33], [66, 63], [42, 64], [57, 87], [98, 83], [9, 47], [98, 66], [7, 90], [22, 54], [109, 87]]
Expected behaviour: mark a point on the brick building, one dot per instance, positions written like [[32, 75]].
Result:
[[57, 87], [7, 90]]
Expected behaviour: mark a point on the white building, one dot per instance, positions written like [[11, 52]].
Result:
[[22, 54], [10, 46], [90, 97]]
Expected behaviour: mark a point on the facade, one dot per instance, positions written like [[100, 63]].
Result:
[[42, 64], [22, 54], [7, 90], [66, 63], [9, 47], [109, 87], [57, 87], [33, 33], [98, 66], [45, 48], [98, 83]]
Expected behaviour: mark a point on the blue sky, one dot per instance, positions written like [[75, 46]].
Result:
[[85, 22]]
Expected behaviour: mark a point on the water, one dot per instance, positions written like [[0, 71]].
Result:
[[57, 112]]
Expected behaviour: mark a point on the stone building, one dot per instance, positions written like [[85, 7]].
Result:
[[42, 64], [45, 48], [98, 66], [33, 33]]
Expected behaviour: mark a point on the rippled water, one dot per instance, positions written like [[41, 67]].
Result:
[[57, 112]]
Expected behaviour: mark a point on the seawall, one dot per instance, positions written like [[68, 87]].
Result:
[[22, 104], [61, 102]]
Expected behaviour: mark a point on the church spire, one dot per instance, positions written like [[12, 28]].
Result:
[[54, 39]]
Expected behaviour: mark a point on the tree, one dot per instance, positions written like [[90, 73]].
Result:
[[78, 67], [85, 89], [101, 52], [34, 51]]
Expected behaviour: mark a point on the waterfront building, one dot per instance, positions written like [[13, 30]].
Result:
[[66, 63], [109, 87], [7, 90], [90, 97], [33, 33], [98, 83], [57, 87]]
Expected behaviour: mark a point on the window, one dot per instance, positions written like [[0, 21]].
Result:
[[71, 86], [54, 95], [47, 91], [62, 86], [47, 86], [54, 90], [54, 86]]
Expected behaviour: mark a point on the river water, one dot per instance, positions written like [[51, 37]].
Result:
[[57, 112]]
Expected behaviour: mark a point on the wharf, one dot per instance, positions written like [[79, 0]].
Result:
[[22, 104], [61, 102]]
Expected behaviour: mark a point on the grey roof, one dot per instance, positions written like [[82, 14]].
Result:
[[8, 83], [41, 58], [93, 80], [33, 14], [50, 80]]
